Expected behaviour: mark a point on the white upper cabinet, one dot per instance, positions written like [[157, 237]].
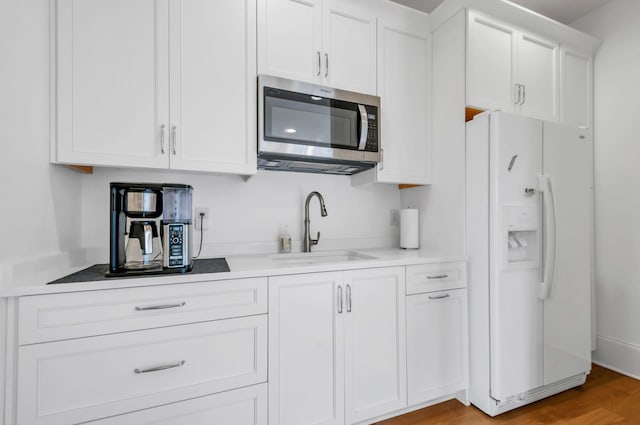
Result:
[[173, 87], [405, 97], [213, 85], [538, 74], [349, 45], [576, 87], [328, 42], [112, 92], [510, 69], [490, 64], [290, 39]]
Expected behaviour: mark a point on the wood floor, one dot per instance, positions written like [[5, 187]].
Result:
[[606, 398]]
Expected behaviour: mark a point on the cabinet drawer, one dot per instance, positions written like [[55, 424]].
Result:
[[436, 277], [246, 406], [90, 378], [436, 345], [78, 314]]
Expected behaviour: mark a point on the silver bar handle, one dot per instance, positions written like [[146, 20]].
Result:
[[438, 297], [381, 167], [364, 127], [326, 65], [162, 138], [438, 276], [339, 299], [524, 93], [158, 368], [161, 306], [348, 298], [319, 63], [173, 137], [518, 93]]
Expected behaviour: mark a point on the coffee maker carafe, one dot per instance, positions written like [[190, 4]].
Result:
[[143, 251], [151, 229]]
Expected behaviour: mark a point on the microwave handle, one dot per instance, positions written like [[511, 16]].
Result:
[[364, 126]]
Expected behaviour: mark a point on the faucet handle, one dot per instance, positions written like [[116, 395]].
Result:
[[314, 241]]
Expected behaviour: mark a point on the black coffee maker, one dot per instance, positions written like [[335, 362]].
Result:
[[151, 229]]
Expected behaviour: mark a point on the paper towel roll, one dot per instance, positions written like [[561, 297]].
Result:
[[409, 231]]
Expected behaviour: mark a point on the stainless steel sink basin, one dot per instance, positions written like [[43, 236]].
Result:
[[311, 258]]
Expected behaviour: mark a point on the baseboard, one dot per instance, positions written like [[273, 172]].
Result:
[[618, 356]]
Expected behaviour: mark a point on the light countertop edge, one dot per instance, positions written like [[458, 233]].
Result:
[[241, 266]]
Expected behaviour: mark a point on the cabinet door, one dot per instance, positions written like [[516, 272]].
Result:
[[576, 87], [306, 363], [490, 63], [213, 85], [436, 344], [538, 72], [349, 45], [404, 38], [289, 37], [246, 406], [112, 83], [375, 343]]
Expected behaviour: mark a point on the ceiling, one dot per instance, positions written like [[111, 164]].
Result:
[[565, 11]]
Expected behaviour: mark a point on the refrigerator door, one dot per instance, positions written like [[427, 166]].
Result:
[[516, 362], [568, 161]]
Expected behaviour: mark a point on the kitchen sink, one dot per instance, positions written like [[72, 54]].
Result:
[[310, 258]]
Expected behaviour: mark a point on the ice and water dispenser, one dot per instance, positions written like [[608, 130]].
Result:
[[522, 224]]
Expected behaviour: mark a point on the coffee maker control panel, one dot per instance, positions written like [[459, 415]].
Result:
[[176, 245]]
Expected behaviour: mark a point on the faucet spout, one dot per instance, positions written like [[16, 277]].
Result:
[[308, 242]]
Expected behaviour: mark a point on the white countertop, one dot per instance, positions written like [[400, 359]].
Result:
[[245, 266]]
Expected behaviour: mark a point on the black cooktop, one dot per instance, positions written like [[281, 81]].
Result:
[[98, 272]]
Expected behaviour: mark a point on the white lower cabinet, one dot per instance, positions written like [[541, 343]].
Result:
[[436, 344], [167, 354], [375, 343], [336, 346], [77, 380], [245, 406]]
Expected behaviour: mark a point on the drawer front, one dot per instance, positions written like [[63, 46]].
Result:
[[436, 277], [72, 315], [246, 406], [436, 345], [89, 378]]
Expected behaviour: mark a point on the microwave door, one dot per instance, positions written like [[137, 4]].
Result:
[[294, 121]]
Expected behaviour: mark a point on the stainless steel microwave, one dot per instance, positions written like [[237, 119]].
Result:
[[310, 128]]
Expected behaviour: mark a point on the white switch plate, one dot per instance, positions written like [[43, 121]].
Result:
[[205, 220]]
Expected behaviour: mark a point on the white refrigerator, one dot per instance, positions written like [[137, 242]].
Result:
[[529, 206]]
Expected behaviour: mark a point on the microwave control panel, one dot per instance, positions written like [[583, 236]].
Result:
[[372, 134]]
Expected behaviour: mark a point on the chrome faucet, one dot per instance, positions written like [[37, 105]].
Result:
[[308, 242]]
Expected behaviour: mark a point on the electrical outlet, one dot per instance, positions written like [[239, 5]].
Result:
[[201, 220]]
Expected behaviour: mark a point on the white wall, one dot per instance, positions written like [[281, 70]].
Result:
[[246, 217], [39, 203], [617, 182]]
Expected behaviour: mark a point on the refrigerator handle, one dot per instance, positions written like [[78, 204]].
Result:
[[545, 185]]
